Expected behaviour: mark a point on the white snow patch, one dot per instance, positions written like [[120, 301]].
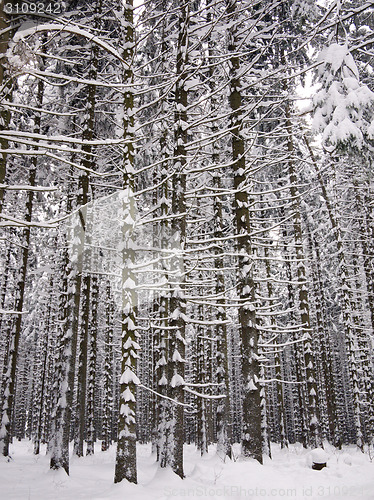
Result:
[[287, 476]]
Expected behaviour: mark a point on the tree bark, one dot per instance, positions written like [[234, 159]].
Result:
[[251, 441]]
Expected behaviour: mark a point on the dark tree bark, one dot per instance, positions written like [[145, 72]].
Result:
[[251, 426]]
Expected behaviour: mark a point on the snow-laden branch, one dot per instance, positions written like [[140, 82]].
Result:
[[303, 339], [267, 381], [10, 311], [13, 221], [13, 134], [205, 396], [24, 187], [165, 397], [75, 30]]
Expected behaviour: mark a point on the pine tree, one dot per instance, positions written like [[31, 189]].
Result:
[[126, 446], [251, 432]]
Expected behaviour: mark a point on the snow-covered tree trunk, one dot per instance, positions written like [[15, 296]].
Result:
[[125, 467], [65, 363], [3, 295], [177, 300], [314, 428], [164, 417], [88, 164], [45, 353], [164, 423], [91, 384], [277, 360], [324, 340], [108, 383], [11, 370], [251, 426], [224, 429], [344, 294], [367, 230], [200, 379], [223, 424], [6, 86], [63, 389], [126, 445], [82, 368]]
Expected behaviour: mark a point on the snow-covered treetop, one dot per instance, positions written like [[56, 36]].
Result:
[[343, 107]]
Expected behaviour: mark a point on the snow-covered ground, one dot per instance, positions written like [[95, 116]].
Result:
[[349, 475]]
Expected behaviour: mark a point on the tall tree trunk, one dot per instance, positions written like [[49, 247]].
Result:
[[277, 362], [125, 467], [177, 300], [69, 305], [251, 426], [82, 368], [92, 367], [7, 86], [324, 341], [10, 379], [108, 384], [44, 367], [314, 427], [224, 429], [87, 163], [345, 295]]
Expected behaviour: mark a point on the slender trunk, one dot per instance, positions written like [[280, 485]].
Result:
[[71, 265], [325, 349], [45, 352], [92, 367], [314, 427], [277, 363], [82, 368], [7, 85], [108, 392], [88, 163], [298, 360], [10, 379], [201, 378], [345, 295], [224, 429]]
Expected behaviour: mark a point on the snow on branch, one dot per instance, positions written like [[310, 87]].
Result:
[[24, 187], [13, 134], [166, 397], [4, 311], [303, 339], [64, 28], [267, 381], [205, 396]]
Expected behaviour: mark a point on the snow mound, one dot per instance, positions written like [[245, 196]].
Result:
[[319, 456]]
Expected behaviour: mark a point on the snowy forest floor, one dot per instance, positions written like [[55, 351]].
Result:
[[349, 475]]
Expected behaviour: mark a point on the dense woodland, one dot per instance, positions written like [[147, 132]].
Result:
[[187, 227]]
